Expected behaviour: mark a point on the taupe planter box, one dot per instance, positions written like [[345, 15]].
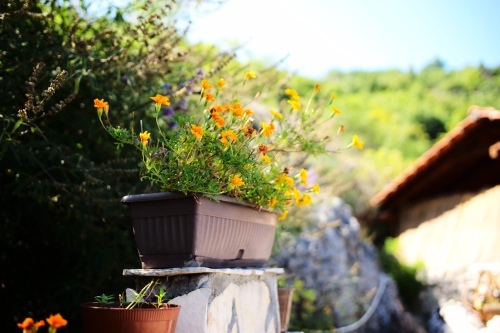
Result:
[[174, 230]]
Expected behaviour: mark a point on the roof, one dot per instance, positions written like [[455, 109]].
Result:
[[465, 160]]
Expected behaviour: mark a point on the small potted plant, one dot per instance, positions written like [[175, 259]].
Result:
[[143, 312], [225, 179]]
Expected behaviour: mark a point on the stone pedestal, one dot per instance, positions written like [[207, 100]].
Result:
[[243, 300]]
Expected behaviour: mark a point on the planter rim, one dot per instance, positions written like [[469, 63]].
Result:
[[115, 306], [131, 198]]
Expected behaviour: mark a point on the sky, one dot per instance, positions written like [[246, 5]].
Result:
[[316, 36]]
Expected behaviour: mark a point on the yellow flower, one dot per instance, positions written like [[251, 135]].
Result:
[[267, 129], [317, 88], [250, 75], [276, 114], [228, 134], [356, 142], [335, 110], [266, 159], [295, 104], [303, 177], [316, 188], [144, 136], [334, 97], [283, 215], [205, 85], [248, 112], [221, 83], [197, 131], [237, 181], [161, 100], [306, 200], [293, 94], [272, 202], [56, 321]]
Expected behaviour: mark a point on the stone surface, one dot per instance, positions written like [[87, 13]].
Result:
[[241, 300], [332, 259]]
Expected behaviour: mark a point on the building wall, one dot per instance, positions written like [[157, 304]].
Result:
[[450, 232]]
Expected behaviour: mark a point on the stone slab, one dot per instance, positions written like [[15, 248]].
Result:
[[243, 300]]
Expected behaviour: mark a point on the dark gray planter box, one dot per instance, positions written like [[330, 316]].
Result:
[[174, 230]]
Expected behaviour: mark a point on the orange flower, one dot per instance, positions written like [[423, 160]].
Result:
[[197, 131], [209, 97], [29, 325], [248, 112], [56, 321], [273, 202], [100, 104], [144, 136], [237, 181], [219, 121], [228, 134], [161, 100], [267, 129], [317, 88], [205, 85], [237, 110]]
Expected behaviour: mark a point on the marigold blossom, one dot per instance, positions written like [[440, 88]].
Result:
[[209, 97], [316, 188], [317, 88], [144, 136], [283, 215], [250, 75], [276, 114], [303, 177], [100, 103], [197, 131], [335, 110], [272, 202], [237, 181], [206, 85], [294, 104], [56, 321], [267, 129], [29, 325], [228, 134], [356, 142], [266, 159], [221, 83], [161, 100]]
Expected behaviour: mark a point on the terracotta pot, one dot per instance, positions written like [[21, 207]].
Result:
[[285, 303], [98, 318], [174, 230]]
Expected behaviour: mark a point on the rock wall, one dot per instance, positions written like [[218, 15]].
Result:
[[332, 258]]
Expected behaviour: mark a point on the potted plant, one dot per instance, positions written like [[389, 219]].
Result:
[[145, 312], [218, 161]]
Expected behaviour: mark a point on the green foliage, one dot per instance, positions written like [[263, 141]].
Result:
[[104, 299], [405, 276], [219, 151], [305, 314]]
